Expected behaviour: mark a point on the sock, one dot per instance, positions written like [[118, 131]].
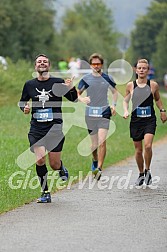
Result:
[[61, 165], [95, 161], [42, 173]]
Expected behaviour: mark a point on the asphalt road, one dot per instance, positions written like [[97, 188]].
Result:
[[111, 215]]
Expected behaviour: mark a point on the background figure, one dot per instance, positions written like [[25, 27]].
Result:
[[4, 63], [165, 81], [73, 66], [151, 73], [134, 69], [84, 63], [63, 65]]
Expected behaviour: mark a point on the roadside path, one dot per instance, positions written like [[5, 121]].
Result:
[[100, 219]]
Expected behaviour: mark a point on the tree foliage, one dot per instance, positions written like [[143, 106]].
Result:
[[28, 28], [161, 1], [25, 28], [88, 28], [159, 57], [146, 38]]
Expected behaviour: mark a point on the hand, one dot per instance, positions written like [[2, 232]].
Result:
[[85, 100], [27, 109], [113, 110], [69, 82], [163, 117], [126, 115]]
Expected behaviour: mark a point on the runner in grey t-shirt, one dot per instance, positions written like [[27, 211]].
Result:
[[98, 111]]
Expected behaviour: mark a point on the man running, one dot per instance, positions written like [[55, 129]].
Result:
[[98, 111], [143, 119], [45, 132]]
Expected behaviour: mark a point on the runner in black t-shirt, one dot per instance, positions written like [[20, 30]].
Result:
[[143, 118], [46, 121]]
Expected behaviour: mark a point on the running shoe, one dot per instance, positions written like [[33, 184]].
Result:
[[148, 177], [94, 165], [63, 173], [140, 180], [45, 197], [97, 173]]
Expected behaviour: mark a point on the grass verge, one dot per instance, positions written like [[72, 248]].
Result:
[[13, 141]]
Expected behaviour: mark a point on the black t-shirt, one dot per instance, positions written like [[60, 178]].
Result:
[[46, 99]]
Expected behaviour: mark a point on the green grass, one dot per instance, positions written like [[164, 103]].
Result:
[[13, 141]]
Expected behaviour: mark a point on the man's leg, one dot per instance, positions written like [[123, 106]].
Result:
[[55, 160], [56, 164], [148, 140], [92, 129], [42, 172], [139, 161], [102, 135], [94, 145], [41, 168], [139, 155], [101, 146], [94, 150]]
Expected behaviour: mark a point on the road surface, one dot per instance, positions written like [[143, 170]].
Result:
[[111, 215]]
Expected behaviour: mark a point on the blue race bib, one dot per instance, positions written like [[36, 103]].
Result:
[[44, 115], [143, 111], [94, 111]]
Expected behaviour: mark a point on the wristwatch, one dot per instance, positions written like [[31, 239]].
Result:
[[162, 110]]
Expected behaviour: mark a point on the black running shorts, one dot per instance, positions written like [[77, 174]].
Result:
[[52, 141], [138, 130]]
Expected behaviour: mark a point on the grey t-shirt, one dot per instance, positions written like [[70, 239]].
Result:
[[97, 88]]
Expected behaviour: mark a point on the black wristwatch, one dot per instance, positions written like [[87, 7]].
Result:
[[162, 110]]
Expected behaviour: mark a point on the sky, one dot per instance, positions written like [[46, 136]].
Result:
[[125, 12]]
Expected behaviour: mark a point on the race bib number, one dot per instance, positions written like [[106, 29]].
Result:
[[143, 111], [94, 111], [44, 115]]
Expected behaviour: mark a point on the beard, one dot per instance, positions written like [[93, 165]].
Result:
[[97, 70], [42, 71]]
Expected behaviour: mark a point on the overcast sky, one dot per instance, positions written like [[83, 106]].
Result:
[[125, 11]]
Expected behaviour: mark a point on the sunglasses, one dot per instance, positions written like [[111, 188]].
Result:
[[96, 64]]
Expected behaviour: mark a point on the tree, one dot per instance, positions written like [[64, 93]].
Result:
[[88, 28], [159, 57], [26, 28], [160, 1], [148, 27]]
